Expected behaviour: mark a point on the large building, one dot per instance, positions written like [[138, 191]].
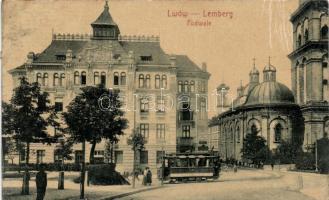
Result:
[[159, 91], [272, 109]]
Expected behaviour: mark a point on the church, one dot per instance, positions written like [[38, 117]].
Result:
[[145, 75], [277, 113]]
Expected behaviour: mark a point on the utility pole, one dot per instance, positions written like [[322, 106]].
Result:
[[316, 155]]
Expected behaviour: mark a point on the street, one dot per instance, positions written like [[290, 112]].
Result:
[[243, 185]]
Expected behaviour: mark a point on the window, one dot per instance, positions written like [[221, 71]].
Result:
[[57, 157], [141, 81], [238, 134], [56, 79], [160, 104], [58, 106], [306, 35], [186, 89], [118, 157], [148, 81], [76, 78], [116, 56], [103, 78], [180, 86], [144, 157], [325, 82], [161, 131], [146, 58], [157, 81], [186, 131], [324, 32], [78, 156], [277, 133], [164, 82], [60, 57], [160, 155], [83, 78], [96, 78], [62, 80], [39, 78], [203, 109], [40, 155], [144, 130], [192, 86], [22, 155], [123, 78], [99, 153], [45, 79], [144, 104], [231, 135], [116, 78]]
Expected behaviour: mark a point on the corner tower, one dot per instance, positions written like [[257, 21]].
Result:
[[309, 66]]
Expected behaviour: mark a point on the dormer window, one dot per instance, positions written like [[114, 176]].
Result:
[[60, 57], [117, 56], [146, 58]]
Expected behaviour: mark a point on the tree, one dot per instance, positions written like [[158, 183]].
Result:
[[94, 115], [27, 117], [137, 142], [254, 147], [9, 149], [64, 152], [323, 152], [287, 152]]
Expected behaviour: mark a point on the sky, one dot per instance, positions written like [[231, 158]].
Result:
[[258, 29]]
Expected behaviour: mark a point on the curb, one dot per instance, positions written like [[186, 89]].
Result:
[[130, 193]]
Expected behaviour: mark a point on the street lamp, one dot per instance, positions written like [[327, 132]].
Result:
[[316, 156]]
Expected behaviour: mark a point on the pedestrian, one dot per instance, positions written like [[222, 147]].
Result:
[[272, 165], [41, 182], [144, 182], [235, 168], [149, 177]]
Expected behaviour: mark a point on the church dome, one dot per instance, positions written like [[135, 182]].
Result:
[[270, 92]]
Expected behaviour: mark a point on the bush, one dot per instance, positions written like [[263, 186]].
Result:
[[48, 167], [105, 174], [305, 161]]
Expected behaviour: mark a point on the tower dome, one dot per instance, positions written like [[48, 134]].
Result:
[[269, 72], [254, 74]]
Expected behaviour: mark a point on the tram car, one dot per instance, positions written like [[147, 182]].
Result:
[[185, 167]]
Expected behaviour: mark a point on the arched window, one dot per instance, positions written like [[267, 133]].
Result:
[[180, 86], [56, 79], [306, 35], [299, 40], [96, 78], [39, 78], [103, 78], [192, 86], [231, 135], [141, 81], [277, 133], [123, 78], [62, 80], [186, 89], [116, 78], [324, 32], [157, 81], [253, 129], [83, 78], [76, 78], [148, 81], [45, 79], [164, 81], [238, 134]]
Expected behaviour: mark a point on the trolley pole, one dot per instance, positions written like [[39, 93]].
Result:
[[316, 155]]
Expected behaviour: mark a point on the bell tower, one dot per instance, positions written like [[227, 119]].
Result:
[[104, 27], [309, 66]]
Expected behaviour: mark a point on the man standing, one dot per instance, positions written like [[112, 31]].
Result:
[[41, 182]]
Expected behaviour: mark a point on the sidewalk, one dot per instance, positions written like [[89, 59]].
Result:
[[12, 188]]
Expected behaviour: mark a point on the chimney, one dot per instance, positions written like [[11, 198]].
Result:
[[30, 57], [204, 66], [173, 60], [69, 55]]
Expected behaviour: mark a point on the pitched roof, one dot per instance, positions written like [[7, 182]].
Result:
[[185, 64], [105, 17]]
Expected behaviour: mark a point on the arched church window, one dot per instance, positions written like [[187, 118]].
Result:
[[83, 78], [238, 134], [180, 86], [56, 79], [186, 89], [103, 78], [278, 133], [116, 78], [192, 86], [306, 35], [253, 129], [76, 78], [141, 81], [299, 40], [231, 135], [123, 78], [324, 32]]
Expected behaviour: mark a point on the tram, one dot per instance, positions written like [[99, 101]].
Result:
[[183, 167]]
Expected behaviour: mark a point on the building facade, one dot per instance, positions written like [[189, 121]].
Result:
[[155, 87], [270, 108]]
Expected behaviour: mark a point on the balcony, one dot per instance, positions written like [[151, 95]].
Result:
[[185, 141]]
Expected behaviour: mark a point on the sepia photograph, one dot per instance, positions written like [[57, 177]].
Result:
[[164, 99]]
